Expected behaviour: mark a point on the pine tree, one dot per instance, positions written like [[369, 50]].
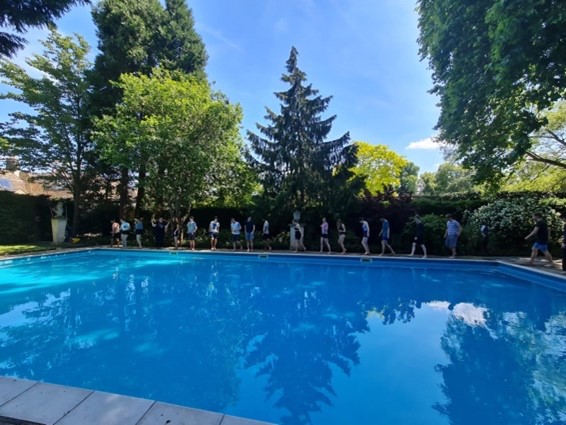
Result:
[[182, 48], [19, 15], [294, 161]]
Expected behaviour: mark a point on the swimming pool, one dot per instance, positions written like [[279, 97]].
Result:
[[294, 340]]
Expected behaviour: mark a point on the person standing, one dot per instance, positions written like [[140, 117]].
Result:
[[484, 231], [365, 235], [266, 235], [540, 232], [124, 232], [114, 234], [159, 229], [138, 225], [236, 228], [191, 232], [451, 235], [250, 230], [324, 236], [385, 234], [341, 234], [419, 236], [214, 230], [177, 234], [564, 242], [298, 236]]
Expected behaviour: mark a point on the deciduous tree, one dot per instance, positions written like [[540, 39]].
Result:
[[53, 139]]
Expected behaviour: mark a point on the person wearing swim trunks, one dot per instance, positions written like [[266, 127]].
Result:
[[266, 235], [341, 227], [214, 230], [250, 230], [324, 235], [419, 236], [191, 232], [235, 228], [385, 235], [365, 235], [540, 232], [451, 235], [177, 235]]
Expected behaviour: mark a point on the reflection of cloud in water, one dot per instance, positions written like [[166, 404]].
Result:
[[468, 313]]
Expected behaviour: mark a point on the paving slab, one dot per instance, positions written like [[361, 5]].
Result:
[[233, 420], [168, 414], [12, 387], [43, 403], [108, 409]]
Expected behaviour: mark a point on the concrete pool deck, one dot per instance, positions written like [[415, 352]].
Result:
[[24, 402]]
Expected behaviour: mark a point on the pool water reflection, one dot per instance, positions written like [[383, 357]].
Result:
[[312, 341]]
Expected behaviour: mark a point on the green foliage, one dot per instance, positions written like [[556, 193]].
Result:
[[455, 204], [295, 163], [54, 139], [180, 138], [408, 179], [19, 15], [495, 65], [23, 218], [510, 220], [379, 166]]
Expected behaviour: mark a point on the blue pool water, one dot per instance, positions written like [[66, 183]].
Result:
[[293, 341]]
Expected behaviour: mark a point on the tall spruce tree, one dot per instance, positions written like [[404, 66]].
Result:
[[294, 161]]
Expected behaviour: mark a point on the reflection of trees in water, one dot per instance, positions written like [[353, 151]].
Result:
[[184, 327], [180, 333], [306, 326], [506, 372]]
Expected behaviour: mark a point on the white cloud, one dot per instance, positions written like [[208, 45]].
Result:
[[429, 143]]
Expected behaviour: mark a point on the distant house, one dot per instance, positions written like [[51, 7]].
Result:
[[14, 180]]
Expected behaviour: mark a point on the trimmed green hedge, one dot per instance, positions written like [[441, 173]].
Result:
[[24, 218]]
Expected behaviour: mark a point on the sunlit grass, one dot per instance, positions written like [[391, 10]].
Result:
[[22, 249]]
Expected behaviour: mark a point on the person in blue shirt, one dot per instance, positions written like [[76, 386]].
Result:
[[191, 232], [451, 235], [138, 225], [385, 234]]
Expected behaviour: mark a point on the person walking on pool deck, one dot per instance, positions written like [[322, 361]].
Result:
[[341, 234], [453, 231], [324, 235], [191, 232], [159, 228], [298, 236], [365, 235], [540, 232], [114, 234], [124, 232], [138, 225], [177, 234], [235, 228], [266, 235], [385, 234], [419, 236], [214, 230], [250, 230]]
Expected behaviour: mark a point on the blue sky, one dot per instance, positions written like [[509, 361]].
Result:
[[364, 53]]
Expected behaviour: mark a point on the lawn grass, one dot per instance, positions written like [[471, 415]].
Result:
[[22, 249]]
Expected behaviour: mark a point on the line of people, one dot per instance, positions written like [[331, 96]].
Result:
[[121, 229]]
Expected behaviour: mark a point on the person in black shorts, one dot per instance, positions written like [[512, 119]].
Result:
[[540, 232], [298, 233], [419, 236], [159, 229], [341, 227]]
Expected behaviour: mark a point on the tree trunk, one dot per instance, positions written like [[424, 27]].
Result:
[[76, 212], [141, 191], [124, 195]]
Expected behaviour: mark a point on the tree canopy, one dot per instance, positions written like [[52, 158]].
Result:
[[496, 65], [53, 139], [19, 15], [294, 160]]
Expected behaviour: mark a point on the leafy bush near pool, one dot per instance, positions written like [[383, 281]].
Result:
[[509, 221]]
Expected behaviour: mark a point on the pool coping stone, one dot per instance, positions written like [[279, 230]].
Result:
[[25, 402]]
